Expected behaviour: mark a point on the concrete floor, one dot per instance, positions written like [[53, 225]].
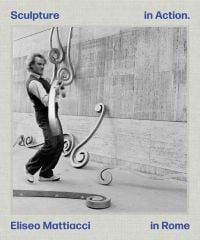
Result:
[[129, 192]]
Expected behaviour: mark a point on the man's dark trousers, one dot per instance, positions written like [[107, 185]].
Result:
[[47, 157]]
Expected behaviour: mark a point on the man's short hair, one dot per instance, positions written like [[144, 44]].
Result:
[[31, 60]]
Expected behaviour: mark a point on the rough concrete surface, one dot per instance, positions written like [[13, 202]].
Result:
[[129, 192]]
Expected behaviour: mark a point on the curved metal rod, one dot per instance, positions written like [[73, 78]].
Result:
[[59, 42], [105, 177], [56, 55], [28, 142], [51, 38], [67, 74], [63, 77], [53, 74], [53, 121], [83, 156], [25, 141], [69, 58], [94, 201], [68, 144]]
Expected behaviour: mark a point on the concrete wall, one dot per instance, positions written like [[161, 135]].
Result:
[[134, 144], [138, 73]]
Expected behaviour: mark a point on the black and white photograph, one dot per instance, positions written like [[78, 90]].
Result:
[[99, 120]]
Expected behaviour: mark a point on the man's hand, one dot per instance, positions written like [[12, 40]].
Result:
[[57, 90], [60, 89], [63, 93]]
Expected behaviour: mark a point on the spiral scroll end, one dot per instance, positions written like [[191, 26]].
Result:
[[68, 144], [104, 177], [99, 107], [55, 56], [79, 159], [98, 202]]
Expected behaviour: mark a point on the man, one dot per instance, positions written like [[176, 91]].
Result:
[[38, 90]]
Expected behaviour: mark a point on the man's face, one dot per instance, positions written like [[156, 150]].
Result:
[[38, 65]]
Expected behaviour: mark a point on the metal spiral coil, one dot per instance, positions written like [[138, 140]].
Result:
[[105, 177], [56, 55], [68, 144]]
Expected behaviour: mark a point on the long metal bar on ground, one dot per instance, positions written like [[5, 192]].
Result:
[[92, 200]]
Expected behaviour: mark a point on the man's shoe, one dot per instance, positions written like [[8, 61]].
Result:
[[29, 177], [50, 179]]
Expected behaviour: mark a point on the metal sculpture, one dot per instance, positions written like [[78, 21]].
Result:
[[26, 142], [94, 201], [68, 144], [105, 178], [61, 76], [78, 158]]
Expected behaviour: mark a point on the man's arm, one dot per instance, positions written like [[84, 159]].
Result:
[[39, 91]]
